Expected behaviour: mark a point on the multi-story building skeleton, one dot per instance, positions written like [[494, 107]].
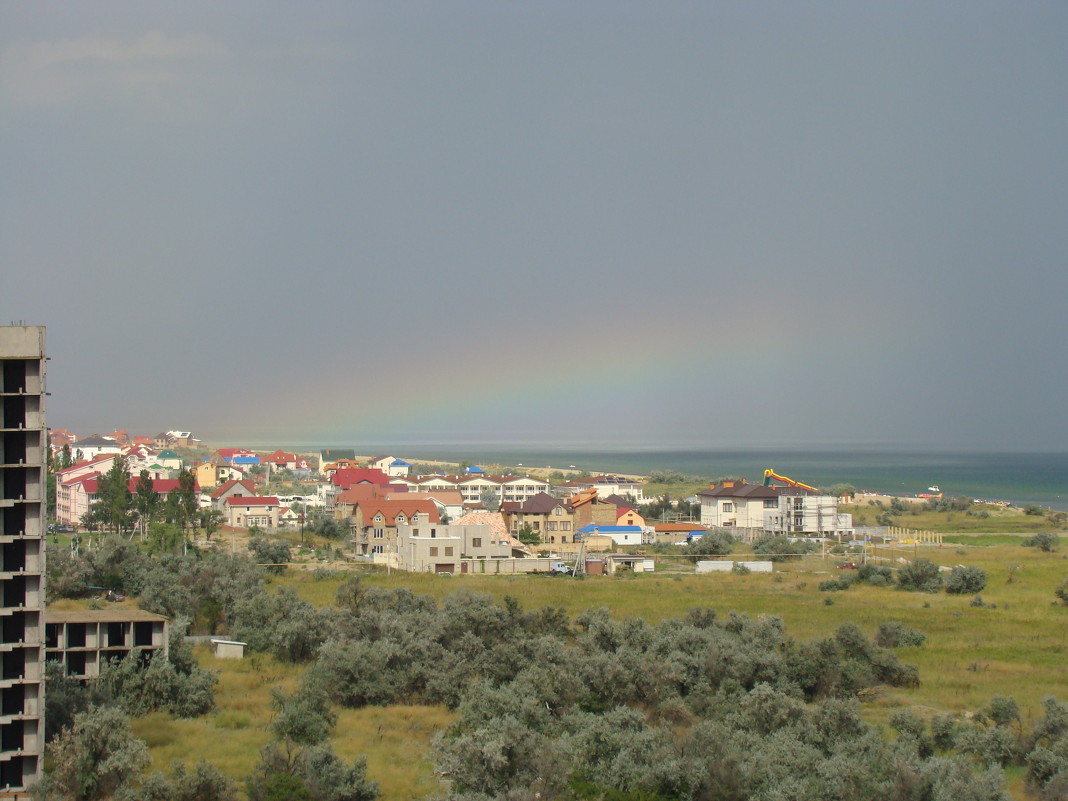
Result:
[[23, 481]]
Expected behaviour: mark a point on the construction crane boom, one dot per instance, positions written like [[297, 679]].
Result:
[[770, 475]]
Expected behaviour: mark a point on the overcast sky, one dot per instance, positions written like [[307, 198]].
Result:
[[704, 224]]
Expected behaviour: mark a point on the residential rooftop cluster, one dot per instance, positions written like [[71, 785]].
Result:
[[384, 507]]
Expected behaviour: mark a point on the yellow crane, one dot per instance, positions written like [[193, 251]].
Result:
[[770, 475]]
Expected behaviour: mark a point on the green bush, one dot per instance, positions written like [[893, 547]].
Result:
[[1062, 592], [1044, 541], [897, 635], [968, 579], [920, 575]]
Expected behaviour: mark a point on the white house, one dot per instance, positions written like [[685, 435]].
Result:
[[792, 511]]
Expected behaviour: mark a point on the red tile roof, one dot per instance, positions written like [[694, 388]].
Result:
[[348, 476], [251, 500], [390, 509]]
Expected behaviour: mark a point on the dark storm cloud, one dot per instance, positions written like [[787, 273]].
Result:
[[217, 207]]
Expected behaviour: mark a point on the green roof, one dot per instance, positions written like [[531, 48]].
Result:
[[333, 454]]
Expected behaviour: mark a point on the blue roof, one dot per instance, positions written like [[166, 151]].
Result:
[[399, 463], [246, 460], [473, 469]]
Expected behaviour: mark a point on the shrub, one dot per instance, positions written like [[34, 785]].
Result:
[[968, 579], [273, 553], [741, 569], [897, 635], [834, 585], [715, 543], [93, 759], [1062, 592], [779, 548], [876, 575], [1044, 540], [920, 575]]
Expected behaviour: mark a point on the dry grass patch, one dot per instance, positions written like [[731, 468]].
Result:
[[396, 742]]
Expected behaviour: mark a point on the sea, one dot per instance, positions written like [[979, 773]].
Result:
[[1018, 478]]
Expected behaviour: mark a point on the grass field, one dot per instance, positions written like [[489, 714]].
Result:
[[1000, 519], [1015, 645]]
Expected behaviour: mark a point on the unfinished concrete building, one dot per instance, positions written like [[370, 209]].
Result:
[[23, 454]]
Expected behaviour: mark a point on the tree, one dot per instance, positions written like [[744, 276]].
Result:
[[94, 758], [528, 536], [187, 496], [66, 698], [114, 502], [210, 520], [304, 717], [146, 502], [327, 527], [272, 553], [490, 499]]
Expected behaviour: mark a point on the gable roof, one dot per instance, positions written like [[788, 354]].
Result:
[[333, 454], [444, 497], [539, 504], [252, 500], [359, 492], [348, 476], [738, 489], [96, 441], [495, 520], [106, 457], [390, 509], [222, 489], [161, 486]]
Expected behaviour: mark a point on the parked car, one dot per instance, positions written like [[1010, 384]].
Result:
[[847, 566]]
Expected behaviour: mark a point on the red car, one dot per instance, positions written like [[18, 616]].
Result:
[[847, 566]]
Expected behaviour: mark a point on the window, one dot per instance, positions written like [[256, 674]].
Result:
[[771, 503], [415, 532], [448, 550], [565, 526], [558, 511], [377, 549], [551, 525], [728, 506], [476, 542], [379, 533], [433, 550], [563, 540]]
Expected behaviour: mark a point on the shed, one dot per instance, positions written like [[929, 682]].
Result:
[[228, 649]]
